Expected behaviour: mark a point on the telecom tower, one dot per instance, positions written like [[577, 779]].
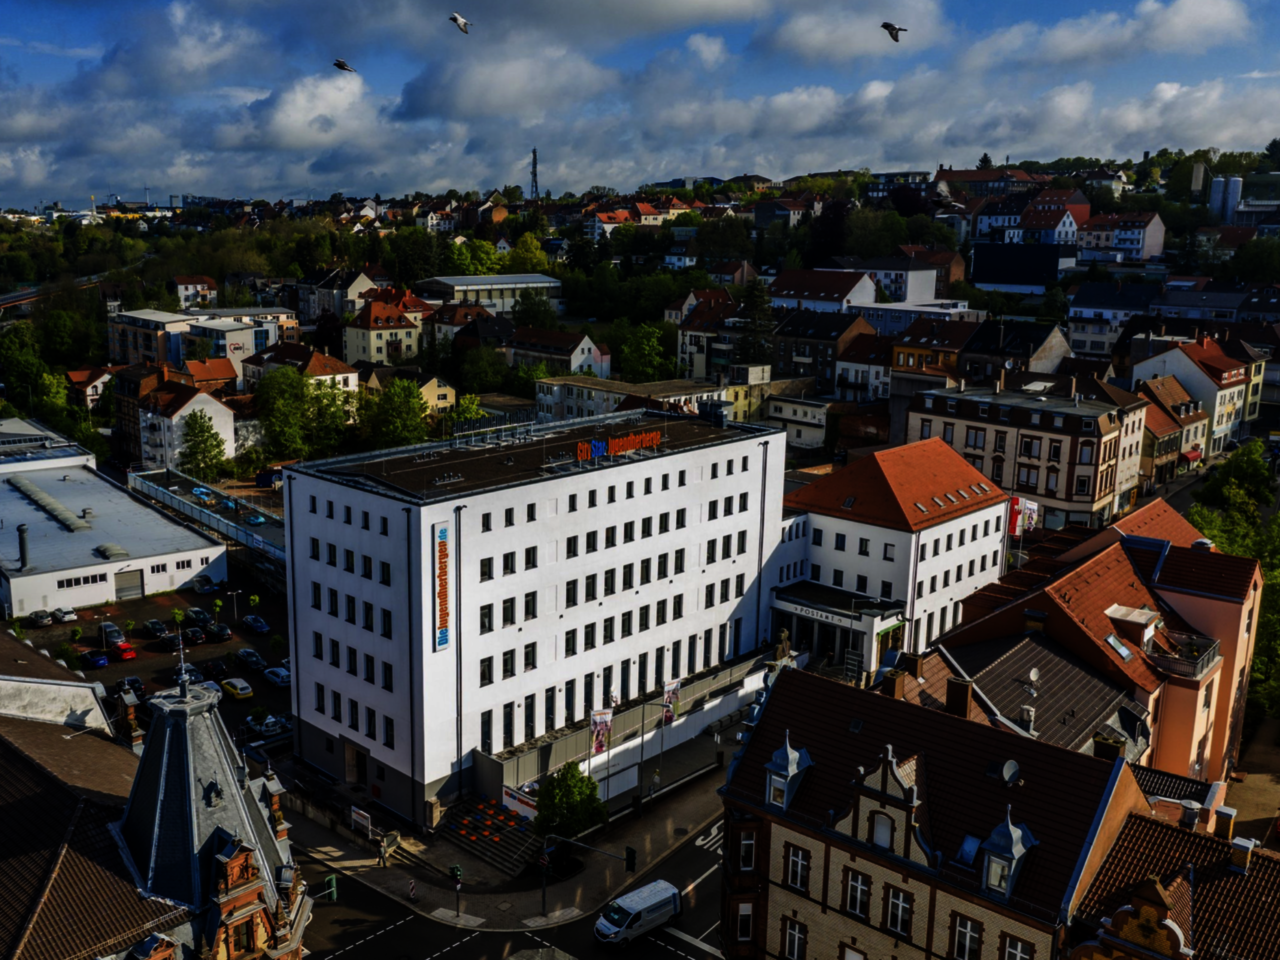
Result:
[[535, 193]]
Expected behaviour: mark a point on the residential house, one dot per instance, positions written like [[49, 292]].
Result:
[[131, 385], [210, 376], [1171, 399], [882, 184], [902, 279], [1072, 447], [708, 335], [87, 385], [1161, 445], [381, 333], [1219, 244], [1027, 268], [1103, 179], [858, 825], [646, 215], [560, 351], [1149, 604], [1043, 225], [145, 336], [787, 212], [1211, 376], [997, 216], [988, 183], [893, 319], [926, 356], [602, 224], [437, 395], [823, 291], [808, 343], [1122, 236], [681, 256], [1099, 312], [412, 306], [498, 293], [733, 273], [803, 419], [1261, 305], [196, 291], [310, 363], [863, 369], [488, 332], [450, 318], [677, 310], [330, 291], [567, 398], [881, 528], [1072, 200], [1014, 347], [218, 339], [162, 423], [1199, 304], [948, 266]]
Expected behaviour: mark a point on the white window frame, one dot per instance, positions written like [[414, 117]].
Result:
[[747, 851], [898, 915], [968, 933], [859, 892], [744, 917], [793, 942], [797, 868]]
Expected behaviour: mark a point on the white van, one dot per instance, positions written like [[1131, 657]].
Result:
[[640, 911]]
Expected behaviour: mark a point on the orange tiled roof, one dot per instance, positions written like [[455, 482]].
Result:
[[218, 368], [376, 315]]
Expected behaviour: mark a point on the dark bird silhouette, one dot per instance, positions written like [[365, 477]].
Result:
[[343, 65], [893, 30]]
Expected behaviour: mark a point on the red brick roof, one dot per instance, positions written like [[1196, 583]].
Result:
[[1215, 362], [832, 285], [1159, 521], [400, 299], [377, 315], [1170, 396], [218, 368], [911, 487], [1042, 219], [1228, 913], [196, 281]]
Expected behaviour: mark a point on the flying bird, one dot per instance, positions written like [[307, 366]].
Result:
[[343, 65], [893, 30], [461, 21]]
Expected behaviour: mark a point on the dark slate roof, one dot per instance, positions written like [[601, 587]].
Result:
[[1072, 701], [1018, 264], [492, 330], [1234, 913], [1170, 786], [1136, 297], [1059, 795], [1010, 338], [816, 325]]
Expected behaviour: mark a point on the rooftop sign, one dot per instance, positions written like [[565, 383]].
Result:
[[618, 445]]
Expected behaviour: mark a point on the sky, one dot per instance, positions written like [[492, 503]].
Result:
[[239, 98]]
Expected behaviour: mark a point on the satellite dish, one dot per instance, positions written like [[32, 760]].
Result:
[[1008, 364], [1035, 674], [1009, 773]]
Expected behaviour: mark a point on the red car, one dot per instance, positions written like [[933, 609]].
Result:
[[125, 651]]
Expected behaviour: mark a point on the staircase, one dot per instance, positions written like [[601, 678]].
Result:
[[488, 830]]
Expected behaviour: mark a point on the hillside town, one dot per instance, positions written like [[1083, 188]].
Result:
[[943, 625]]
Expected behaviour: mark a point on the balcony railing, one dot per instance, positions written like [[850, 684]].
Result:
[[1192, 657]]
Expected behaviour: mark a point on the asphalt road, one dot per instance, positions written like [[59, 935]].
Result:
[[366, 923]]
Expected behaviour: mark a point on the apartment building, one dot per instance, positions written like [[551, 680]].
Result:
[[567, 398], [1099, 312], [823, 291], [146, 336], [1210, 374], [1074, 447], [196, 291], [381, 333], [162, 422], [860, 827], [451, 600], [809, 343], [915, 528]]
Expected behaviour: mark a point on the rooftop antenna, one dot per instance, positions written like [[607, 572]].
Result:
[[182, 671], [535, 175]]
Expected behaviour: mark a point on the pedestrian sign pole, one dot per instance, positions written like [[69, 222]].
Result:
[[456, 872]]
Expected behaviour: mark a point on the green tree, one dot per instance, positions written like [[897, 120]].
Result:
[[178, 616], [217, 609], [641, 357], [467, 408], [569, 803], [396, 416], [528, 256], [755, 344], [1273, 152], [1248, 471], [20, 361], [1055, 304], [985, 162], [326, 417], [482, 370], [281, 398], [533, 309], [203, 449]]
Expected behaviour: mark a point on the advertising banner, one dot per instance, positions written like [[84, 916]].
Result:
[[1030, 515], [441, 547], [601, 729], [520, 802], [670, 700]]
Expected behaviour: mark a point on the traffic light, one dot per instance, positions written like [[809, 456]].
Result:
[[631, 859], [456, 872]]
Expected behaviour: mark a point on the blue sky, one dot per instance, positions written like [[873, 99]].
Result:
[[237, 97]]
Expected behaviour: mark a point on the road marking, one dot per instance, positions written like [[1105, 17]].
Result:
[[712, 842], [698, 943], [708, 933], [369, 937], [689, 889], [458, 944]]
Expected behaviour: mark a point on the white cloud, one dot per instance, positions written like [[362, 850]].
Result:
[[838, 32], [1260, 75], [712, 51]]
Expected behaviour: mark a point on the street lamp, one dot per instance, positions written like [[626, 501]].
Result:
[[235, 606]]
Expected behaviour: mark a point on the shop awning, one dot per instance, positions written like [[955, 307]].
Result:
[[1191, 456]]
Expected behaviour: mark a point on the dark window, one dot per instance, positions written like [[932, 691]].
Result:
[[508, 664], [508, 611], [486, 671], [486, 618]]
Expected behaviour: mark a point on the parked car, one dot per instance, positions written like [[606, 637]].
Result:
[[256, 623], [203, 584], [131, 683], [216, 670], [237, 688], [278, 676], [192, 635], [172, 642], [251, 658], [199, 616], [636, 913], [201, 492], [110, 633], [154, 629], [185, 669], [64, 615], [125, 651], [286, 720], [268, 726], [41, 618], [227, 505], [93, 659], [256, 520], [218, 633]]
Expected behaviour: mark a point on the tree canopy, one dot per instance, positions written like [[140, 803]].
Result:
[[203, 449], [569, 803]]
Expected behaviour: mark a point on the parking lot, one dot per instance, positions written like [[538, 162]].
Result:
[[155, 664], [256, 510]]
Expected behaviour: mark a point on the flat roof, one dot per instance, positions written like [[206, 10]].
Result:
[[217, 323], [155, 316], [502, 280], [658, 388], [116, 518], [517, 455], [239, 311]]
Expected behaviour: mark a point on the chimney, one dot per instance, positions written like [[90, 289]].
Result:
[[1203, 545], [1241, 852], [912, 664], [1225, 824], [24, 554], [962, 384], [959, 696], [895, 684], [1190, 815], [1034, 619], [1107, 748], [126, 722], [1027, 718], [1073, 386]]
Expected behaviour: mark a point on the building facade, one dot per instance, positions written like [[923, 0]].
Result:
[[445, 603]]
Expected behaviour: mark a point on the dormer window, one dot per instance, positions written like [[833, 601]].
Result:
[[881, 831], [998, 870], [786, 769], [778, 791], [1006, 851]]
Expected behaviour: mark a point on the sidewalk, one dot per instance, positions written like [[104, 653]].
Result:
[[1257, 800], [677, 814]]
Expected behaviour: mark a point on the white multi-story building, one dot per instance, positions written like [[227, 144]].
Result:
[[565, 398], [162, 416], [892, 544], [451, 599], [1214, 378]]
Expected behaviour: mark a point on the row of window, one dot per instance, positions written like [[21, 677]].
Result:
[[157, 568], [347, 609], [88, 579], [1057, 420], [864, 545], [966, 933], [682, 657], [975, 567], [353, 716], [353, 661], [626, 620], [383, 524], [349, 562]]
